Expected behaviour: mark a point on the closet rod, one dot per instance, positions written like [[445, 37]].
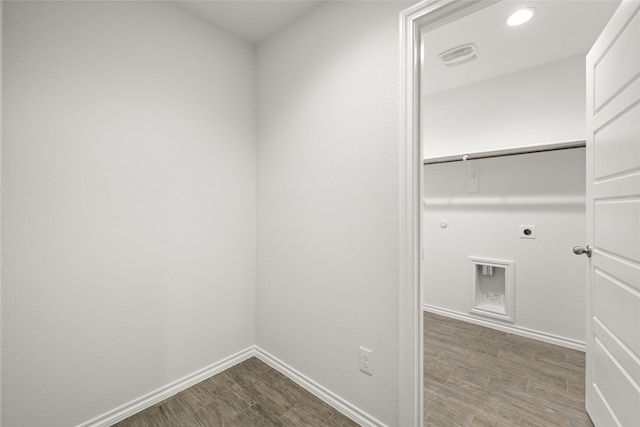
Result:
[[507, 152]]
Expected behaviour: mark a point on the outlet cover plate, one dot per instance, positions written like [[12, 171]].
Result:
[[366, 361]]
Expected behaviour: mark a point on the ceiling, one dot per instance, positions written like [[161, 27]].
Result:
[[559, 29], [253, 21]]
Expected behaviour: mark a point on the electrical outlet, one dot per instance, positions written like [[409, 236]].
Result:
[[527, 231], [366, 361]]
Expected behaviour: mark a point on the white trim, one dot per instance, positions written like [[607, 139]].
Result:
[[1, 217], [410, 350], [426, 14], [156, 396], [128, 409], [319, 391], [515, 330]]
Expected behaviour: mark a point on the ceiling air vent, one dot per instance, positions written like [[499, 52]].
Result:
[[459, 55]]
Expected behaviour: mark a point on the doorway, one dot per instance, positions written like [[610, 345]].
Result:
[[420, 20]]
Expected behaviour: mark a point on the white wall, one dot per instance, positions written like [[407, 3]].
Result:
[[543, 189], [328, 200], [128, 196], [536, 106]]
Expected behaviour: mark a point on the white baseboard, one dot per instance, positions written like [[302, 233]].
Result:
[[156, 396], [319, 391], [118, 414], [516, 330]]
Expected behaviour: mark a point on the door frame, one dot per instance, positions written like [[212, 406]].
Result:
[[428, 14]]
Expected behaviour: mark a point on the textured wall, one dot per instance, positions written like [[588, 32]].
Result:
[[128, 196], [535, 106], [328, 199], [544, 189], [540, 105]]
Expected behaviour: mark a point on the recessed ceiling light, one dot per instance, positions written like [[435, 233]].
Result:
[[521, 16]]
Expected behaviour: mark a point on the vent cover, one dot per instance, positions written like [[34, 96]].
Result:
[[459, 55]]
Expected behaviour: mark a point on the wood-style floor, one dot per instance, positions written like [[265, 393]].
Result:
[[475, 376], [248, 394]]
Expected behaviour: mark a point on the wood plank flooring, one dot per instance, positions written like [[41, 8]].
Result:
[[476, 376], [248, 394]]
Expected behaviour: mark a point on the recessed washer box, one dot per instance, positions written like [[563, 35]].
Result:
[[492, 288]]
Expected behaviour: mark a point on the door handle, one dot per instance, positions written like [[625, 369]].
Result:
[[579, 250]]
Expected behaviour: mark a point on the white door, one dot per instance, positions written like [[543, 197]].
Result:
[[613, 222]]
